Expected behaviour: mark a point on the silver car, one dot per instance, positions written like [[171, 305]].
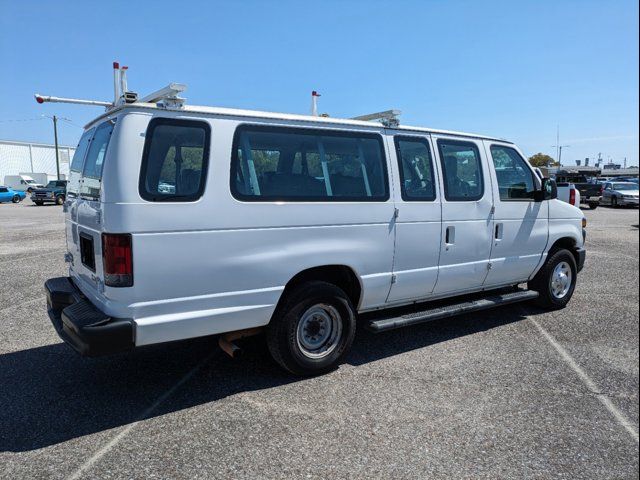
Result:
[[619, 194]]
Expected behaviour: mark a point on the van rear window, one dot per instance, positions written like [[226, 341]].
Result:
[[295, 164], [175, 160]]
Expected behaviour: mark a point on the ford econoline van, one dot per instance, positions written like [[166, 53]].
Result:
[[187, 221]]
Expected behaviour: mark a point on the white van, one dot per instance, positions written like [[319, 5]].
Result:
[[22, 183], [187, 221]]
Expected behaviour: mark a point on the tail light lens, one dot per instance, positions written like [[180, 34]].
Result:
[[572, 196], [117, 259]]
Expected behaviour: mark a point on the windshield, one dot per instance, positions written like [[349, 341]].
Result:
[[51, 184], [30, 181], [625, 186]]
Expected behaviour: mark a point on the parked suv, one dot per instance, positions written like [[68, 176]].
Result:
[[188, 221], [54, 192]]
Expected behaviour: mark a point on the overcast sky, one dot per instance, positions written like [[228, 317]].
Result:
[[509, 69]]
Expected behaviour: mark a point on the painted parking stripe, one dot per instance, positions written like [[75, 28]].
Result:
[[620, 417]]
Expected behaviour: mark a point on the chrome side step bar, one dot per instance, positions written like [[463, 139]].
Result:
[[377, 325]]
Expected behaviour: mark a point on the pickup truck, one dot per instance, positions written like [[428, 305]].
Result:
[[568, 193], [54, 192], [590, 192]]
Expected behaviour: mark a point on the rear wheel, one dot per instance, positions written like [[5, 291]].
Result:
[[556, 281], [313, 329], [16, 199]]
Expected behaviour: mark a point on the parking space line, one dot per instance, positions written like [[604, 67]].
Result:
[[161, 399], [620, 417]]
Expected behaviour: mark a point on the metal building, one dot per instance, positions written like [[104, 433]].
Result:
[[22, 157]]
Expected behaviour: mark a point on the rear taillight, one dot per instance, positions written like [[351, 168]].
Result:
[[572, 196], [117, 259]]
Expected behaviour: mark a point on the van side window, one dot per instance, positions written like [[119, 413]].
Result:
[[175, 160], [92, 171], [279, 163], [515, 178], [462, 170], [416, 168], [81, 149]]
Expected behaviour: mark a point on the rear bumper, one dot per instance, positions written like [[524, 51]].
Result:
[[581, 255], [80, 324]]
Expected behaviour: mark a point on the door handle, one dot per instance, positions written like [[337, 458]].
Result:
[[499, 232], [450, 236]]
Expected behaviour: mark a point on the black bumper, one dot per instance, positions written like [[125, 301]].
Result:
[[581, 255], [80, 324]]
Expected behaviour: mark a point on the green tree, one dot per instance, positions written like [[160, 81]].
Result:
[[542, 160]]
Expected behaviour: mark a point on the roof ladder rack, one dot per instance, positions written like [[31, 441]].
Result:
[[388, 118], [167, 96]]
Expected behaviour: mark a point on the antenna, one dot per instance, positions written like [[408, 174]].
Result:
[[389, 118]]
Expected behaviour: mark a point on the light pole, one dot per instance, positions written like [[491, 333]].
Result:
[[55, 139], [560, 147]]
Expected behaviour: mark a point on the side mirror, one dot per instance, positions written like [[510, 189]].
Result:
[[549, 190]]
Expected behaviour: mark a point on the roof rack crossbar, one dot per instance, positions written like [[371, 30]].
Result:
[[167, 95], [389, 118]]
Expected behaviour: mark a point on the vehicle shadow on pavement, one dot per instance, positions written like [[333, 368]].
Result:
[[51, 395]]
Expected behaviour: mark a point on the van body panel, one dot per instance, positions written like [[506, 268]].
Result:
[[218, 264], [464, 259]]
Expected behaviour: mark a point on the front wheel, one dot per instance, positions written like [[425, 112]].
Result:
[[614, 202], [39, 203], [594, 205], [16, 199], [59, 200], [556, 280], [313, 329]]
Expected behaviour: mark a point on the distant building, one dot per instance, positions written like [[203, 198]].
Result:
[[21, 157], [611, 166]]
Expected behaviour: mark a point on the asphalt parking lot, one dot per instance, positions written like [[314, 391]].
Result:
[[508, 393]]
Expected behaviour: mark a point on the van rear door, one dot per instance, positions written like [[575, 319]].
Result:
[[87, 218], [73, 191]]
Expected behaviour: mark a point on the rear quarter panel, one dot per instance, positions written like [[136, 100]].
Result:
[[219, 264]]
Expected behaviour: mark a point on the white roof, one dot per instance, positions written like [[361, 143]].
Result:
[[233, 112]]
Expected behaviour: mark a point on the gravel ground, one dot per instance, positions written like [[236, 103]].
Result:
[[509, 393]]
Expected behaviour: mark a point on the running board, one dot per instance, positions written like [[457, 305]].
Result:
[[450, 310]]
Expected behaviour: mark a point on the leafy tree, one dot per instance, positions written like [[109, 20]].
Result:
[[542, 160]]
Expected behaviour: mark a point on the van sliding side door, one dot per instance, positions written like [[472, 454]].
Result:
[[418, 223], [467, 221]]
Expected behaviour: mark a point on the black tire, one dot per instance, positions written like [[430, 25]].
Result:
[[39, 203], [16, 199], [59, 199], [283, 336], [594, 205], [542, 282], [614, 202]]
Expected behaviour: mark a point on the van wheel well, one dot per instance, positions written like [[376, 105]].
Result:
[[339, 275], [566, 243]]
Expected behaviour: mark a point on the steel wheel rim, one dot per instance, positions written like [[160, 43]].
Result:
[[561, 280], [319, 331]]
